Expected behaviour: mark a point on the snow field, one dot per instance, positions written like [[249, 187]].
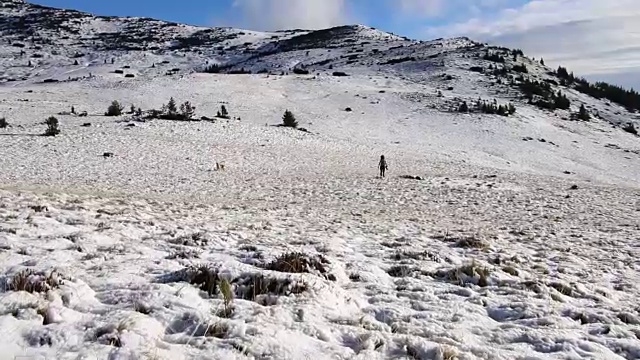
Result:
[[492, 256]]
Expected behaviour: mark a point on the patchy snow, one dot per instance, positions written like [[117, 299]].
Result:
[[519, 240]]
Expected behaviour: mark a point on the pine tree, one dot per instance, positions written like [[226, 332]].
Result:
[[52, 127], [463, 108], [583, 114], [561, 101], [171, 108], [289, 120], [542, 61]]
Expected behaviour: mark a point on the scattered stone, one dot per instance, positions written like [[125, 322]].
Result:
[[348, 109], [107, 154], [39, 208], [573, 187], [411, 177]]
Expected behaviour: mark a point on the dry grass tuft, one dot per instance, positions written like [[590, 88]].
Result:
[[254, 287], [295, 262], [206, 278], [466, 274], [511, 270], [217, 330], [400, 271], [34, 282], [472, 242], [258, 288], [448, 353]]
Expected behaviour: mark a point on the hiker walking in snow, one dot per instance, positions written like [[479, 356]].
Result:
[[382, 165]]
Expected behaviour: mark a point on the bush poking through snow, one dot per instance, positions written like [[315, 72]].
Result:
[[3, 123], [630, 128], [295, 262], [34, 282], [289, 120], [187, 111], [223, 113], [115, 109], [52, 127], [254, 287]]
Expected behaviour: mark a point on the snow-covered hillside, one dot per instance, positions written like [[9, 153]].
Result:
[[119, 236]]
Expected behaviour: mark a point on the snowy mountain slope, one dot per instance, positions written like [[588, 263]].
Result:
[[41, 43], [519, 242]]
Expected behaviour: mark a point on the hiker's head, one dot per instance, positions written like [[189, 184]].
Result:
[[381, 156]]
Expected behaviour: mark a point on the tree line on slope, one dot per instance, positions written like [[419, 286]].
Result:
[[630, 99], [169, 111]]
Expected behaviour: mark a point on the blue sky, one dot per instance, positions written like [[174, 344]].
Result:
[[595, 38], [404, 17]]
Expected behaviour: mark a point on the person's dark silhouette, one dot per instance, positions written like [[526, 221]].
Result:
[[382, 165]]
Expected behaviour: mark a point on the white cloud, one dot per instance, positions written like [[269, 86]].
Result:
[[292, 14], [437, 8], [422, 8], [592, 37]]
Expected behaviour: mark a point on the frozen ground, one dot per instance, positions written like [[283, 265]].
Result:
[[559, 272], [491, 256]]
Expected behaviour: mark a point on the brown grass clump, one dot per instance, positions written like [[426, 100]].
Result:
[[34, 282]]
